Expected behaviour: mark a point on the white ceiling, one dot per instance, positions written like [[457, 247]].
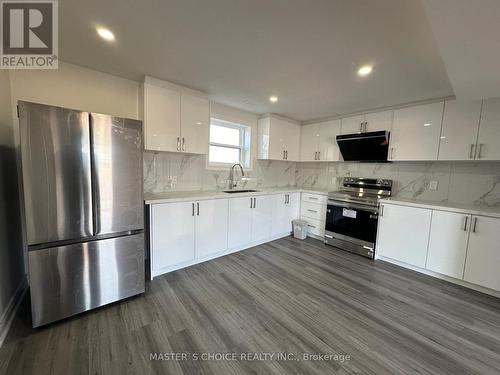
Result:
[[468, 36], [306, 52]]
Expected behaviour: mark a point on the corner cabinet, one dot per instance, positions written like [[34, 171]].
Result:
[[279, 139], [176, 119], [319, 141]]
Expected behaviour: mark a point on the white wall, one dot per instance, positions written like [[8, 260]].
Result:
[[75, 87], [11, 257]]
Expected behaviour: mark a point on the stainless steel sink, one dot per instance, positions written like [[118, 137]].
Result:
[[240, 191]]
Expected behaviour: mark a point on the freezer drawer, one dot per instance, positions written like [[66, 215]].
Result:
[[55, 148], [67, 280], [117, 174]]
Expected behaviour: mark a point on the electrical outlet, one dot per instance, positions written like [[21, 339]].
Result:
[[433, 185]]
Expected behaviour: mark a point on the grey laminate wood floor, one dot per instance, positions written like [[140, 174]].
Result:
[[286, 296]]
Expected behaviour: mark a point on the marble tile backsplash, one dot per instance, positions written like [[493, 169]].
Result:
[[458, 182], [171, 171]]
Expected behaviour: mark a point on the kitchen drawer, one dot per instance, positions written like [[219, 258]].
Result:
[[314, 198], [313, 211], [315, 227]]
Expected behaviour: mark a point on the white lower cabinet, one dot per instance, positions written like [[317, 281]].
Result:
[[184, 231], [403, 233], [483, 254], [211, 227], [172, 234], [240, 219], [263, 207], [254, 219], [286, 209], [460, 245], [448, 243]]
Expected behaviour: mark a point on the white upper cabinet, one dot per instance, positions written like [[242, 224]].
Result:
[[459, 131], [162, 118], [353, 124], [309, 142], [176, 119], [378, 121], [448, 243], [415, 132], [279, 139], [483, 254], [195, 123], [318, 141], [328, 147], [488, 141], [369, 122]]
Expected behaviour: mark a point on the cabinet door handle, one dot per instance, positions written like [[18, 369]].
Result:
[[474, 225], [471, 152], [251, 202], [480, 151], [312, 210], [192, 213], [254, 202], [178, 143], [319, 154], [465, 223], [381, 210], [197, 208], [183, 144], [392, 152], [313, 198], [311, 226], [286, 154], [366, 125], [283, 154]]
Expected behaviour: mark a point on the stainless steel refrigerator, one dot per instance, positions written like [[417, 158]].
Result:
[[83, 208]]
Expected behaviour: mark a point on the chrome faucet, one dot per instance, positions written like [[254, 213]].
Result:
[[232, 185]]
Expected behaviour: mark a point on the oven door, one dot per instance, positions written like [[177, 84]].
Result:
[[352, 222]]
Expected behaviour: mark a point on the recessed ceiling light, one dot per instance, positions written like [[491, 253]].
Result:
[[427, 124], [443, 137], [273, 99], [365, 70], [105, 34]]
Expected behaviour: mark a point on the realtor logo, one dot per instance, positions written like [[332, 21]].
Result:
[[29, 35]]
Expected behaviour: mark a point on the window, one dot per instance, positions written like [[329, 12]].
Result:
[[229, 144]]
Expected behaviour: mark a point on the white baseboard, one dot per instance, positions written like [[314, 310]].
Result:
[[9, 313], [175, 267], [466, 284]]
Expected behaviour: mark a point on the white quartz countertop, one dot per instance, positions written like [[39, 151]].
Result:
[[183, 196], [493, 211]]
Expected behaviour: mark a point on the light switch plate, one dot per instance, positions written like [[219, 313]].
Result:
[[433, 185]]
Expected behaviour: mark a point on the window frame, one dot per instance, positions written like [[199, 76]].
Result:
[[243, 146]]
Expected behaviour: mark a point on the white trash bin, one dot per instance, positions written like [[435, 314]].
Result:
[[299, 229]]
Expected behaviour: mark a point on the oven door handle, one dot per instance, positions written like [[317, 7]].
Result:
[[354, 206]]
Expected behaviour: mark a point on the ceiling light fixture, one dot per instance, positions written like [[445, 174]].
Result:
[[105, 34], [427, 124], [273, 99], [365, 70]]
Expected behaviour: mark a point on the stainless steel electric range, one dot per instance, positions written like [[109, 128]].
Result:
[[352, 214]]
